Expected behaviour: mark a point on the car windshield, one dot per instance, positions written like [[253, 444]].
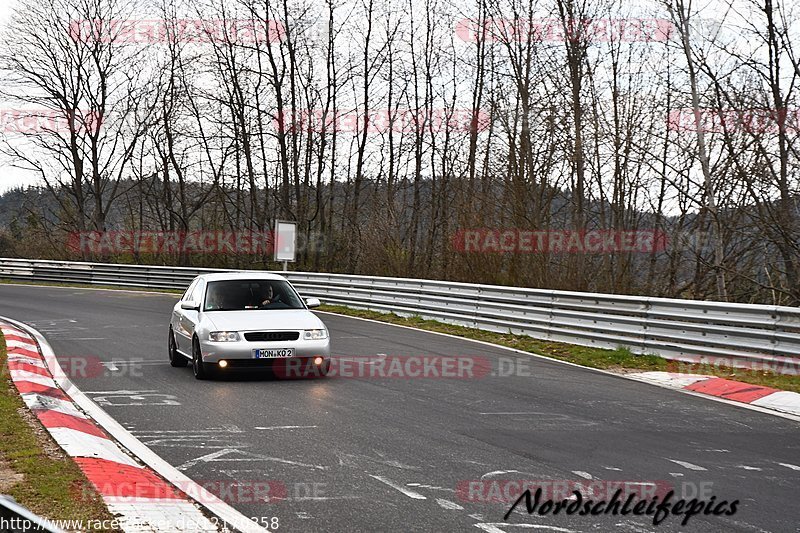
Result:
[[247, 294]]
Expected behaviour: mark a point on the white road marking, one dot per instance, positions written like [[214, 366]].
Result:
[[613, 468], [745, 467], [676, 474], [447, 504], [633, 527], [493, 527], [212, 431], [222, 456], [690, 466], [787, 465], [285, 427], [498, 472], [133, 397], [111, 366], [400, 488], [423, 486], [581, 473], [513, 413], [325, 498]]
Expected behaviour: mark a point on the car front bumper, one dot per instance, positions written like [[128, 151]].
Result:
[[213, 352]]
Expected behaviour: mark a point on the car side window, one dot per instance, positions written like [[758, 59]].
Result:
[[197, 292], [187, 295]]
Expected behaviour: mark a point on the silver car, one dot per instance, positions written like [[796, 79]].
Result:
[[236, 320]]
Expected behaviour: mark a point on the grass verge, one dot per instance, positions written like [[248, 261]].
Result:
[[37, 474], [620, 360]]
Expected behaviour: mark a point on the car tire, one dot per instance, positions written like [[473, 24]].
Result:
[[199, 368], [175, 359]]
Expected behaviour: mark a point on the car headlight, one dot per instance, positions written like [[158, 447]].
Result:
[[315, 334], [223, 336]]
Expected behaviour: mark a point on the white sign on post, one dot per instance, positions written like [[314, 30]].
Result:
[[285, 237]]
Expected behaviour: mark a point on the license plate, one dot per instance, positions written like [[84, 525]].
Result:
[[273, 353]]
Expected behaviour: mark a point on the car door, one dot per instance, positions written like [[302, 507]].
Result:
[[179, 323], [189, 318]]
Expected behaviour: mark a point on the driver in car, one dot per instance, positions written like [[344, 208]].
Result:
[[268, 296]]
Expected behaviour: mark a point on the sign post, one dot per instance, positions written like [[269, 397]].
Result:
[[285, 239]]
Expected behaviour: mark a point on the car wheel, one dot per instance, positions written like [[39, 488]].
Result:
[[199, 368], [175, 359]]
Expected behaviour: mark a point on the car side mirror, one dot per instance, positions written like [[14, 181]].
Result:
[[190, 305], [312, 302]]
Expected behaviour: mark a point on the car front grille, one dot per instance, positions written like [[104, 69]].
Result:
[[262, 336]]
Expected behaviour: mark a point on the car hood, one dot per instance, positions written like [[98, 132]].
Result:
[[264, 320]]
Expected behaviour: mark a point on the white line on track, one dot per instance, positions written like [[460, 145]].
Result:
[[432, 487], [787, 465], [690, 466], [396, 486], [447, 504], [284, 427], [581, 473], [512, 413], [494, 527], [498, 472], [234, 455]]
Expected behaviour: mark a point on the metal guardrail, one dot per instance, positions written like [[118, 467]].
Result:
[[757, 336], [16, 519]]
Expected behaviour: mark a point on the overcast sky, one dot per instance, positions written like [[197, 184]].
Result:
[[11, 176]]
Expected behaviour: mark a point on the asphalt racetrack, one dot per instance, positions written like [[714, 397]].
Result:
[[398, 453]]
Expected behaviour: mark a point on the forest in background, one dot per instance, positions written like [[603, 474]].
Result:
[[385, 129]]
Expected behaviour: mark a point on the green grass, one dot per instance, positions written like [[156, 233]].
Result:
[[52, 485], [619, 360]]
